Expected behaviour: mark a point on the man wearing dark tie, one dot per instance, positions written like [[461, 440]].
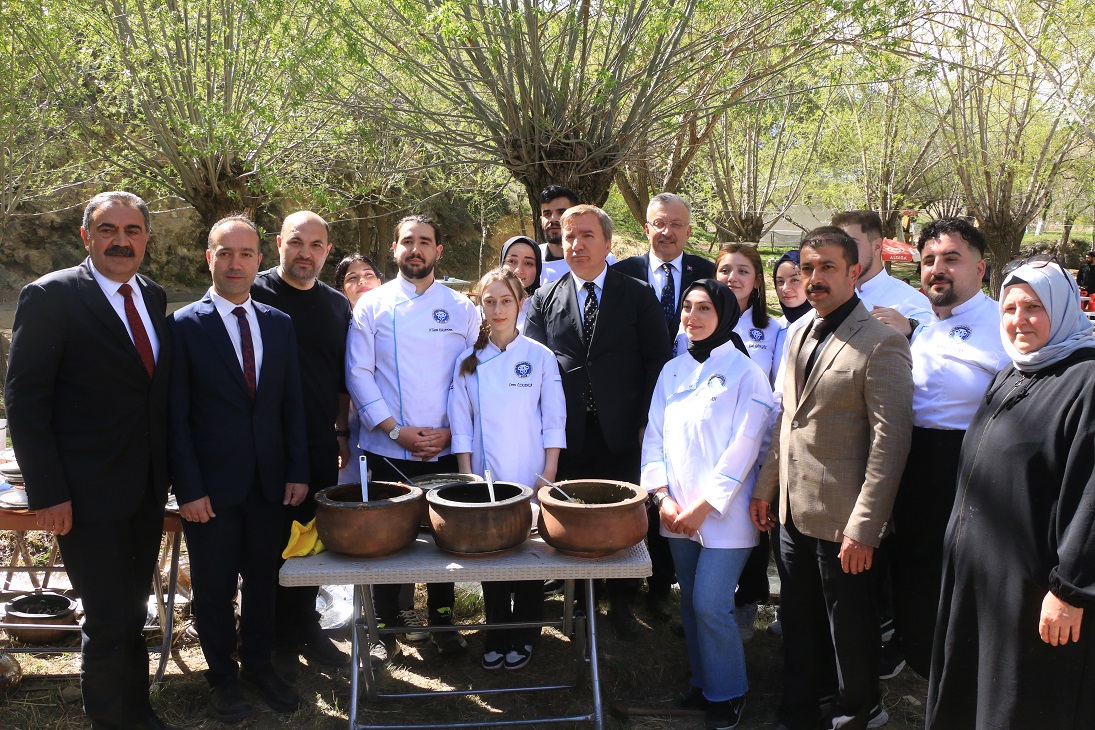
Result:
[[86, 398], [670, 270], [238, 456], [608, 332]]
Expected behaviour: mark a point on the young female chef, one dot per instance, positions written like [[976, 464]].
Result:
[[709, 422], [507, 414]]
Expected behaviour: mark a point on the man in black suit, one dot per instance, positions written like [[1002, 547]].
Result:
[[86, 398], [608, 332], [666, 267], [238, 459], [670, 270]]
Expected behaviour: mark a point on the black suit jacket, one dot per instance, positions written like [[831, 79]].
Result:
[[622, 362], [86, 421], [693, 268], [221, 437]]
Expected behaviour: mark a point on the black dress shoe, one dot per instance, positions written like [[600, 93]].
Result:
[[321, 649], [623, 621], [155, 723], [227, 703], [286, 661], [279, 695], [659, 606]]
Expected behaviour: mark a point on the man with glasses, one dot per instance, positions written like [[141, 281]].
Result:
[[955, 355], [670, 270]]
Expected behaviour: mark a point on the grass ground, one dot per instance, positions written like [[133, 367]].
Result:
[[651, 672]]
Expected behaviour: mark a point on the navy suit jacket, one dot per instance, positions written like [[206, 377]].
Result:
[[622, 362], [221, 437], [87, 423], [693, 268]]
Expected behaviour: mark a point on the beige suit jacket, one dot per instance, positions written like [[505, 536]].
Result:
[[839, 448]]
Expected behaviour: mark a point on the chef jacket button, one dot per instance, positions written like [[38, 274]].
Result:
[[794, 424]]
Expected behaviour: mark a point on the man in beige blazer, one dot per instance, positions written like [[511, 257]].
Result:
[[835, 464]]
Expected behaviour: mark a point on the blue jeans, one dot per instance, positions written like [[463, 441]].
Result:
[[708, 577]]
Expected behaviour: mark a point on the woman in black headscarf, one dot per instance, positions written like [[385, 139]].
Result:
[[521, 255], [709, 421]]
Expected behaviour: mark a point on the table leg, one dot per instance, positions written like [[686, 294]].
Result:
[[595, 676], [167, 612], [568, 607]]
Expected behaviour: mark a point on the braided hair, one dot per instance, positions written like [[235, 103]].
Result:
[[471, 362]]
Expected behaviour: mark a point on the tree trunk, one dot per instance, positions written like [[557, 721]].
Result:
[[1003, 239]]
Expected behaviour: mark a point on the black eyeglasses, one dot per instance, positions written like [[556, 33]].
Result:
[[1038, 261]]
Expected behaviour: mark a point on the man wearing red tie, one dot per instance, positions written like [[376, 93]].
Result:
[[86, 398], [238, 458]]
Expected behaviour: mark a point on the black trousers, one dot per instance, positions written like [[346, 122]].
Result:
[[438, 595], [753, 583], [512, 600], [296, 615], [830, 634], [920, 516], [592, 459], [111, 565], [241, 541]]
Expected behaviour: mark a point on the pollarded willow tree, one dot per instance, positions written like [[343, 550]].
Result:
[[556, 91], [211, 101], [1006, 137], [759, 159]]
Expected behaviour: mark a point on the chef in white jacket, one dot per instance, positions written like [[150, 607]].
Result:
[[401, 347], [709, 423], [508, 414]]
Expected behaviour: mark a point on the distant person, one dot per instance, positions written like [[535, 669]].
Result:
[[86, 398], [1013, 648], [508, 415], [708, 424], [238, 461], [1086, 275], [608, 333]]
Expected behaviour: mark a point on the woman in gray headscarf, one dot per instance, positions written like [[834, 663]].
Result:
[[1011, 649]]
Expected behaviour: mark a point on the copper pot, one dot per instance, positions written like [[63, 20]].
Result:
[[429, 482], [384, 525], [48, 608], [608, 517], [466, 522]]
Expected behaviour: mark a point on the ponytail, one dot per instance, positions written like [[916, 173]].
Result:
[[471, 362]]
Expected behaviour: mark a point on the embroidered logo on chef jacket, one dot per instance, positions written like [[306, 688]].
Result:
[[756, 335], [523, 369], [716, 381], [440, 316], [960, 333]]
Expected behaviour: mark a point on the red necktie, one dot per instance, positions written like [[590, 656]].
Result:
[[136, 326], [247, 349]]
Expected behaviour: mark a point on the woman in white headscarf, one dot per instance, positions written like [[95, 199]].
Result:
[[1012, 646]]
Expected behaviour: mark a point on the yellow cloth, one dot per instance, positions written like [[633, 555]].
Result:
[[303, 540]]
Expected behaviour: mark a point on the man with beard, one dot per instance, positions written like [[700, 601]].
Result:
[[320, 318], [842, 435], [955, 355], [401, 388], [554, 201], [86, 397]]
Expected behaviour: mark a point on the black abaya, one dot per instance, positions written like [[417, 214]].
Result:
[[1023, 523]]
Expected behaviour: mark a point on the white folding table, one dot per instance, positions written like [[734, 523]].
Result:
[[423, 562]]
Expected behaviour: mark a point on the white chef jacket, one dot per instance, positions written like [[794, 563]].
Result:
[[707, 431], [762, 344], [954, 360], [788, 331], [509, 410], [885, 291], [400, 352]]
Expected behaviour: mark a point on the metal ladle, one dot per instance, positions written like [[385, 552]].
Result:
[[490, 484], [397, 471], [556, 487]]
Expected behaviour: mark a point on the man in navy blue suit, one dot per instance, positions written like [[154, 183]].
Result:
[[238, 458]]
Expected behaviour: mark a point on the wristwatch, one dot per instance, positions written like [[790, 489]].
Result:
[[657, 498], [394, 433]]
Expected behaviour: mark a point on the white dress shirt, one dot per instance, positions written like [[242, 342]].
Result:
[[580, 288], [232, 324], [400, 352], [656, 276], [117, 302], [954, 360]]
